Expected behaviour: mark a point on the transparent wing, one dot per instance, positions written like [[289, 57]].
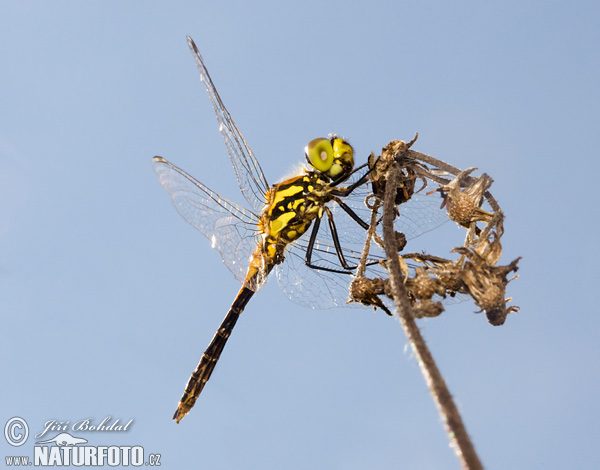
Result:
[[251, 179], [319, 288], [231, 229], [316, 288], [419, 215], [324, 289]]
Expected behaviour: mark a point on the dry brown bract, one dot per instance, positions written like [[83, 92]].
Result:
[[486, 282], [396, 150], [367, 292], [464, 205]]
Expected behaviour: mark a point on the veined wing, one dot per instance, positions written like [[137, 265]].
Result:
[[316, 288], [320, 288], [231, 229], [421, 214], [251, 179]]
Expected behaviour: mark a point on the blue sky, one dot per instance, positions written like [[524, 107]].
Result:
[[108, 298]]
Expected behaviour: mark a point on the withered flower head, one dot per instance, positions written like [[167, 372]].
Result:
[[400, 241], [366, 291], [464, 205], [397, 150], [423, 286], [475, 272], [427, 308], [445, 270], [487, 285], [489, 249]]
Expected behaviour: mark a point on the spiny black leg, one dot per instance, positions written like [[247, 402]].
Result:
[[313, 237], [336, 240], [311, 242], [310, 249], [345, 177], [331, 270], [336, 243], [346, 191], [351, 213]]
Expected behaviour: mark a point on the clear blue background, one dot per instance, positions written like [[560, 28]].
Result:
[[108, 298]]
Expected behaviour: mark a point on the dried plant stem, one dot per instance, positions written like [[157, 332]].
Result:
[[459, 439], [362, 265], [434, 161]]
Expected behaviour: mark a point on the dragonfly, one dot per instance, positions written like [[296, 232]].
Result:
[[254, 242]]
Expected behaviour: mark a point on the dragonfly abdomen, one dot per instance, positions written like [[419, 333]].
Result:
[[210, 357]]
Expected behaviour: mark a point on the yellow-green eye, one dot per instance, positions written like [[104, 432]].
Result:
[[343, 150], [343, 156], [319, 153]]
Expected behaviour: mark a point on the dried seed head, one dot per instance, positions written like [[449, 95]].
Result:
[[427, 308], [446, 271], [400, 241], [422, 286], [464, 205], [492, 297], [475, 272], [396, 150], [487, 285], [489, 249], [450, 279], [366, 292]]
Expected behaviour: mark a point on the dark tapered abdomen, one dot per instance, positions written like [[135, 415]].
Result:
[[212, 354]]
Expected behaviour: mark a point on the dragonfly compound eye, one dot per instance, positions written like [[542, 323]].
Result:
[[319, 153], [343, 158]]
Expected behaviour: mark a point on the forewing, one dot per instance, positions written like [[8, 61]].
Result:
[[251, 179], [421, 214], [231, 229], [320, 288]]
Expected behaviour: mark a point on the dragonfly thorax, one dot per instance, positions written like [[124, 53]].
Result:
[[292, 205]]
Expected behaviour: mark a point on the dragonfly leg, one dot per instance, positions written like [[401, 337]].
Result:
[[351, 213], [311, 245], [349, 189], [311, 242], [310, 249], [346, 191], [336, 241]]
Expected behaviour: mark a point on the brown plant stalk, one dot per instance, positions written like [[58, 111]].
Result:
[[459, 439]]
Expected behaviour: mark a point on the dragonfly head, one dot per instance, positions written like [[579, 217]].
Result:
[[333, 157]]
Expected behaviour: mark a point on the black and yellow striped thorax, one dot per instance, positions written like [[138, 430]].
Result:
[[291, 207]]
